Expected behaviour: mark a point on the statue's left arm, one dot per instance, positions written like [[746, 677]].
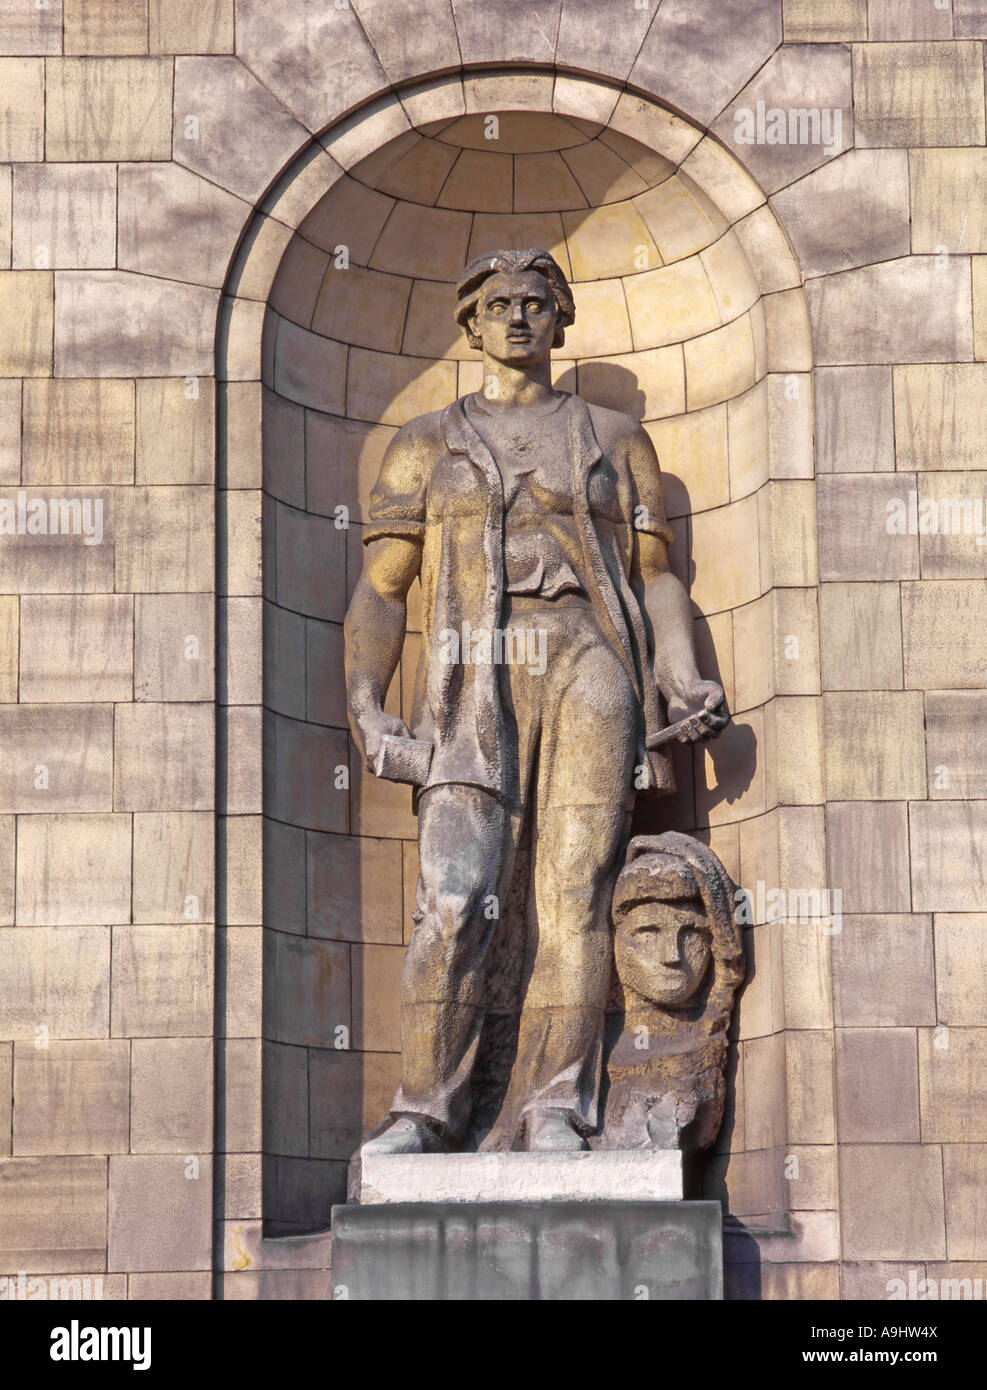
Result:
[[667, 604]]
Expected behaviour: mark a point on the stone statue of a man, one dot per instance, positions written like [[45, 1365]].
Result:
[[554, 640]]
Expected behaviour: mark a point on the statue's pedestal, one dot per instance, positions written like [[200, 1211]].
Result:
[[528, 1251], [514, 1226], [648, 1175]]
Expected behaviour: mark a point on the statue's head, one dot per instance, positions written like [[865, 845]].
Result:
[[515, 305], [673, 914]]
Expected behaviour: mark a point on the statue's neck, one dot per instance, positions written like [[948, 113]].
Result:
[[505, 386]]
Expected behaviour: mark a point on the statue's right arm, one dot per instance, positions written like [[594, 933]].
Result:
[[374, 632], [376, 619]]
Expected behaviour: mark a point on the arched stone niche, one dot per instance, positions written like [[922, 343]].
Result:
[[690, 315]]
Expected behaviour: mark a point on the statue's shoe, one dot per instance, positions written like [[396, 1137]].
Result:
[[407, 1136], [551, 1131]]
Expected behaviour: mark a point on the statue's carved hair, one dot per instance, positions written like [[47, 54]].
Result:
[[513, 262]]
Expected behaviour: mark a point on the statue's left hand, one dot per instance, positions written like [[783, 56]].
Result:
[[705, 706]]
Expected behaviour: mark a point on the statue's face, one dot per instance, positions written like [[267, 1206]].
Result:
[[515, 318], [664, 950]]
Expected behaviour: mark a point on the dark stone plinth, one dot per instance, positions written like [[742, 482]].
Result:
[[528, 1251]]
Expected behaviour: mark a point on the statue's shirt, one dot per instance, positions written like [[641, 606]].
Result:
[[543, 552]]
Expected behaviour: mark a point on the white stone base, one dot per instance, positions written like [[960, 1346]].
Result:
[[639, 1175]]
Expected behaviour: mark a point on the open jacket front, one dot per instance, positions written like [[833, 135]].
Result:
[[440, 484]]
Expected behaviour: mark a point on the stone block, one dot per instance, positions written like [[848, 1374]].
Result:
[[309, 369], [108, 108], [750, 447], [284, 1096], [907, 19], [675, 302], [811, 80], [54, 1217], [173, 867], [883, 972], [242, 957], [592, 1251], [692, 451], [877, 1224], [240, 411], [311, 988], [242, 839], [918, 94], [173, 649], [176, 427], [942, 623], [174, 223], [586, 45], [418, 174], [855, 514], [376, 983], [162, 984], [367, 308], [60, 759], [952, 724], [909, 310], [722, 179], [969, 19], [979, 265], [284, 661], [169, 535], [938, 410], [6, 1098], [787, 521], [868, 855], [170, 1288], [854, 420], [228, 126], [10, 431], [953, 1085], [649, 383], [964, 1173], [764, 1091], [242, 1080], [72, 1098], [57, 978], [680, 218], [242, 739], [241, 649], [157, 327], [876, 1085], [354, 888], [350, 1093], [809, 1086], [349, 216], [497, 32], [25, 29], [171, 1095], [22, 109], [609, 241], [26, 306], [720, 364], [867, 189], [164, 757], [951, 506], [391, 390], [874, 745], [860, 636], [828, 21], [76, 647], [9, 643], [105, 26], [961, 969], [73, 870], [160, 1209], [241, 526], [190, 26], [64, 216], [78, 431], [948, 842], [699, 60], [325, 692], [946, 214], [311, 560]]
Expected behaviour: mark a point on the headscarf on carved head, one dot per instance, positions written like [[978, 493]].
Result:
[[656, 869], [513, 262]]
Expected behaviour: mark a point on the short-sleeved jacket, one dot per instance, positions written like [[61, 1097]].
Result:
[[440, 485]]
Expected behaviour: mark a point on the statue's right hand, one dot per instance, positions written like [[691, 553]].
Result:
[[373, 726]]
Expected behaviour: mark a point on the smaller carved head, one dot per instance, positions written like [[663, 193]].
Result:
[[673, 913], [527, 285]]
